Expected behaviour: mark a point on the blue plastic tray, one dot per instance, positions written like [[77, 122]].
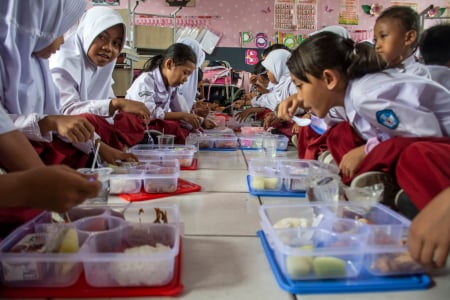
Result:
[[363, 283], [281, 193]]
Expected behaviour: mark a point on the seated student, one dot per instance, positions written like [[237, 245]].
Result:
[[352, 78], [396, 37], [157, 86], [29, 95], [434, 48], [82, 70], [409, 106], [259, 83], [23, 33], [278, 74]]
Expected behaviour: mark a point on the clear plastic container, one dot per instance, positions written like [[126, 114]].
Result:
[[116, 246], [156, 176], [326, 241], [34, 256], [249, 131], [217, 141], [254, 142], [265, 175], [183, 153]]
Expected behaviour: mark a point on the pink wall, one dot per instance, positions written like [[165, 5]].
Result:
[[234, 16]]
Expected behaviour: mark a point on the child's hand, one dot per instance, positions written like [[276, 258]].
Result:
[[192, 119], [351, 161], [68, 187], [429, 239], [75, 128], [271, 120], [133, 107], [243, 115], [111, 155]]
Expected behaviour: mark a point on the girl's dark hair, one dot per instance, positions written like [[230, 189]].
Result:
[[199, 74], [327, 50], [179, 53], [435, 45], [407, 17]]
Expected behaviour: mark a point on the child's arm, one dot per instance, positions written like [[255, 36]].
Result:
[[192, 119], [429, 239], [351, 161], [16, 152], [68, 188]]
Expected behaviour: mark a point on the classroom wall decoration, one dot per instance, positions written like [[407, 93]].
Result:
[[258, 18], [348, 12]]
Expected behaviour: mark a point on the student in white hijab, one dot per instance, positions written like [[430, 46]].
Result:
[[30, 32], [82, 70], [278, 73], [187, 92]]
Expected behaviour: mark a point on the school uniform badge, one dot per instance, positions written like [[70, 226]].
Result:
[[388, 118]]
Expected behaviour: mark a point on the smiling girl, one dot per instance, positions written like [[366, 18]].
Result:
[[82, 70]]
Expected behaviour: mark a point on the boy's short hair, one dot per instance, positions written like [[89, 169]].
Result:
[[434, 45]]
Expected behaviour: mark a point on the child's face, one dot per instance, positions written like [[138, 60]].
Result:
[[50, 49], [106, 46], [314, 95], [177, 75], [391, 41]]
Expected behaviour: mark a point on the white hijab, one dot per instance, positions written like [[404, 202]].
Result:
[[93, 82], [187, 92], [28, 26], [275, 62], [339, 30]]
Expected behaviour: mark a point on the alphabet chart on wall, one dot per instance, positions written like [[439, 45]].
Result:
[[295, 14]]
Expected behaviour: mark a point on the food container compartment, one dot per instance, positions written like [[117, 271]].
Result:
[[226, 141], [183, 153], [388, 227], [394, 261], [264, 175], [126, 180], [161, 180], [251, 142], [205, 142], [251, 131], [314, 251], [141, 255], [41, 255], [295, 173], [99, 223]]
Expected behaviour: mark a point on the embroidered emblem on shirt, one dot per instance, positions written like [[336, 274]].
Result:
[[145, 93], [387, 118]]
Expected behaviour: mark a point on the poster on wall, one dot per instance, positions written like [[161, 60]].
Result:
[[295, 15], [348, 12], [413, 5], [106, 2]]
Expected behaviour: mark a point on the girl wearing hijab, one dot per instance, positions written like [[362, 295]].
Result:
[[28, 37], [82, 70], [265, 104]]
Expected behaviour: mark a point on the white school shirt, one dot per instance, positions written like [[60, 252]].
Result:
[[85, 87], [149, 88], [387, 104], [6, 124], [411, 66], [281, 91], [28, 93], [440, 74]]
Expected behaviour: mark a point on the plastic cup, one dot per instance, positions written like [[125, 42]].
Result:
[[269, 145], [166, 140], [103, 175]]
